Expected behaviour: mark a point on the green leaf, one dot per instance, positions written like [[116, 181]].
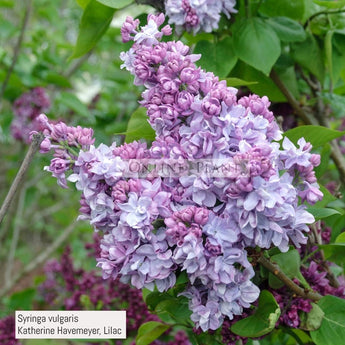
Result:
[[57, 79], [7, 3], [264, 86], [138, 127], [204, 338], [308, 54], [320, 213], [331, 4], [334, 252], [340, 238], [21, 300], [176, 309], [82, 3], [218, 58], [150, 331], [154, 298], [316, 135], [182, 278], [94, 23], [312, 321], [262, 321], [338, 63], [328, 52], [336, 102], [116, 3], [288, 30], [288, 77], [336, 223], [332, 330], [234, 82], [293, 8], [289, 263], [325, 156], [73, 102], [327, 198], [257, 44]]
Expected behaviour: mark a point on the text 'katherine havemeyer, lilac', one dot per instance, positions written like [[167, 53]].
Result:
[[158, 226]]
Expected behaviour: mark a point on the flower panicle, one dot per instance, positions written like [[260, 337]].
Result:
[[243, 191]]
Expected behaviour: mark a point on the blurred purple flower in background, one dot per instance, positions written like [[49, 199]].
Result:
[[26, 109]]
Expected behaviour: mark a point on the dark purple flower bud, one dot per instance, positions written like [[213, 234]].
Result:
[[84, 136], [59, 131], [170, 85], [184, 99], [45, 146], [315, 160], [58, 165], [43, 121], [168, 98], [142, 71], [187, 214], [189, 75], [211, 106], [201, 215]]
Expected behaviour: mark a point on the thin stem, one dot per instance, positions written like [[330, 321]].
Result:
[[35, 144], [312, 17], [294, 335], [307, 118], [17, 48], [39, 259], [247, 8], [274, 268], [16, 232], [77, 64], [338, 159], [312, 84], [257, 7]]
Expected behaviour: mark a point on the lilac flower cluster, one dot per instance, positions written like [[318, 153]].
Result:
[[155, 227], [65, 286], [66, 142], [26, 109], [198, 15], [7, 331]]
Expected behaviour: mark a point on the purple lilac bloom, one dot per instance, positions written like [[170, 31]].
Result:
[[246, 191], [7, 331], [197, 15], [26, 109], [66, 142]]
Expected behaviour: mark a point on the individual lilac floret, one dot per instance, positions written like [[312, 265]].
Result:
[[198, 15], [26, 109]]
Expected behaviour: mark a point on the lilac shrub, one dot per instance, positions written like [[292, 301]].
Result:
[[198, 15], [201, 221], [26, 109]]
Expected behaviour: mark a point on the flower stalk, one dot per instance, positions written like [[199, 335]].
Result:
[[275, 269], [35, 145]]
